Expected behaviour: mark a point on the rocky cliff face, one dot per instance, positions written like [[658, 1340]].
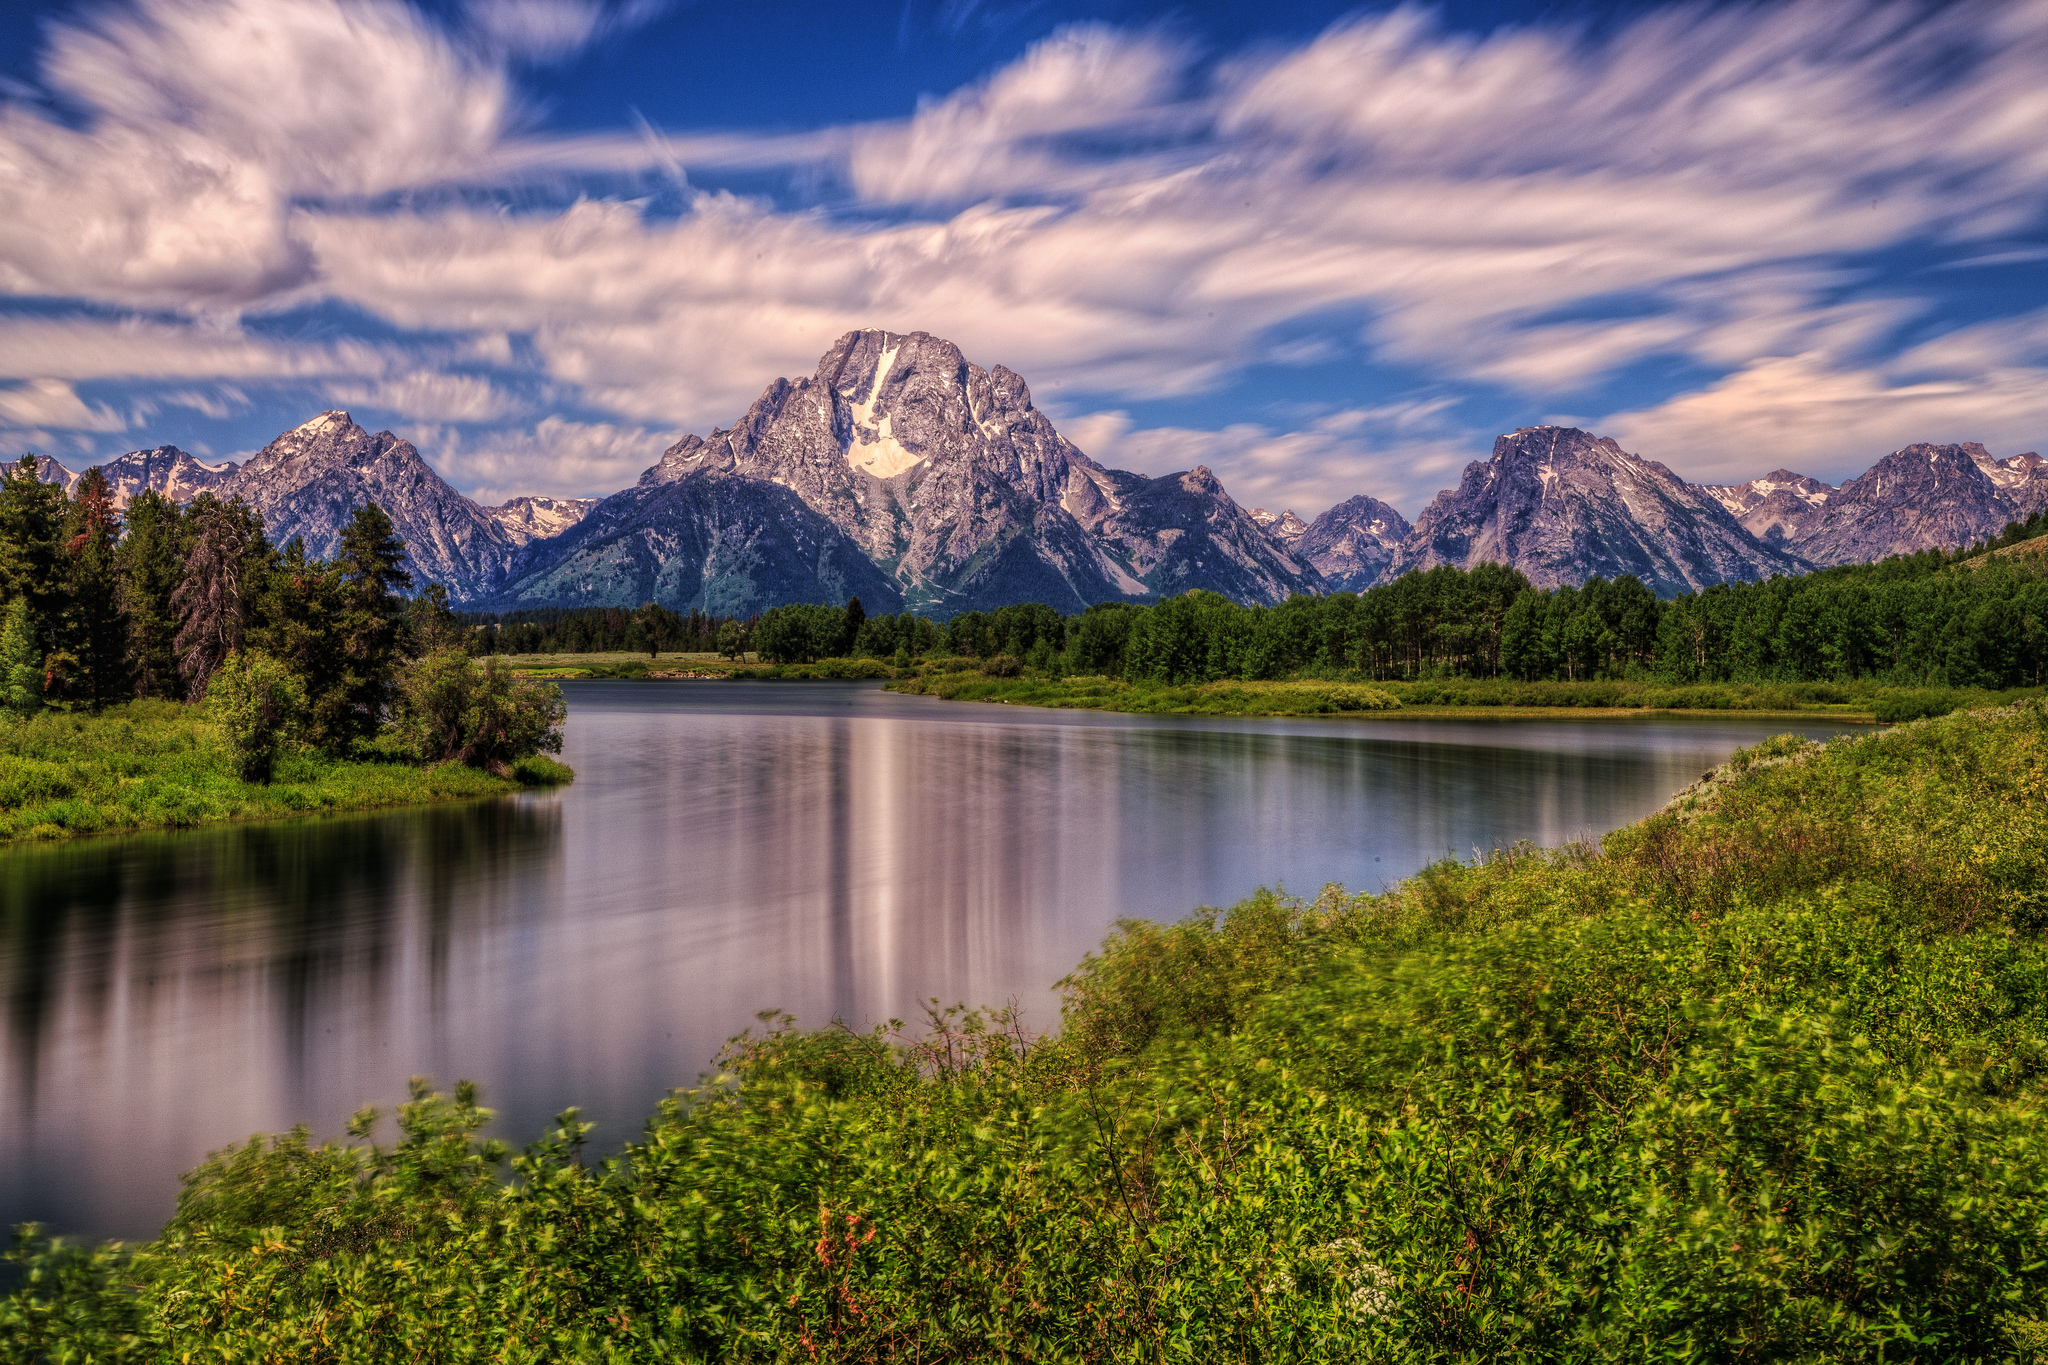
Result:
[[1353, 543], [526, 519], [1181, 532], [1283, 528], [1563, 505], [725, 544], [167, 470], [950, 480], [310, 481], [1921, 497], [1781, 508]]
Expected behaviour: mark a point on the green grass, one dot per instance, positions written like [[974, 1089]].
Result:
[[1227, 698], [955, 679], [1759, 1078], [159, 765]]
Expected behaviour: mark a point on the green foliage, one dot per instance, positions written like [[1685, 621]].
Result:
[[259, 706], [454, 709], [732, 640], [1759, 1078], [21, 665], [150, 564], [997, 680], [157, 764]]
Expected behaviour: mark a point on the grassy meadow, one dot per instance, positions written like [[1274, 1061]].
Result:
[[1759, 1078], [163, 764]]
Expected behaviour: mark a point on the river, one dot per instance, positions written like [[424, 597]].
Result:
[[828, 849]]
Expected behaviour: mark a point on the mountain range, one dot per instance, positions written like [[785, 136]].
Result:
[[905, 474]]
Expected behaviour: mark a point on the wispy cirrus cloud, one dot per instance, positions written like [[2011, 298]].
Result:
[[1117, 214]]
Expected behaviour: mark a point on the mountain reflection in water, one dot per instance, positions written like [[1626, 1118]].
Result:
[[831, 850]]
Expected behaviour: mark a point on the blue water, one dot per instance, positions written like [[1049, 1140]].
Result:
[[828, 849]]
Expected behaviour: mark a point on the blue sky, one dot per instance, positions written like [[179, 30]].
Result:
[[1322, 249]]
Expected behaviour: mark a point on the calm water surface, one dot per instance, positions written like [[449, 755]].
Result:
[[833, 850]]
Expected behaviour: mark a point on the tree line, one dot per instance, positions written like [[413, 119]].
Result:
[[190, 602], [1937, 618]]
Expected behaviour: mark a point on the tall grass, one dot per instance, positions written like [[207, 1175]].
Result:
[[1758, 1078], [160, 764]]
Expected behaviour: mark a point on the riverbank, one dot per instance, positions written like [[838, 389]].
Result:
[[162, 765], [964, 679], [1864, 702], [1759, 1077]]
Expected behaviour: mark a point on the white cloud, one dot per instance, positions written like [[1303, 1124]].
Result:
[[92, 348], [558, 458], [54, 403], [431, 396], [1107, 216], [1833, 423], [1402, 453]]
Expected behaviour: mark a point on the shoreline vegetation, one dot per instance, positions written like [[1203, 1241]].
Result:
[[165, 665], [153, 765], [972, 679], [1760, 1077], [1908, 638]]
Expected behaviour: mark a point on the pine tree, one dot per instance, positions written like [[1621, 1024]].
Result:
[[371, 574], [151, 563], [227, 543], [21, 663], [95, 628], [32, 547]]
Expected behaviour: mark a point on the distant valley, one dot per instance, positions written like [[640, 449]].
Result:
[[907, 475]]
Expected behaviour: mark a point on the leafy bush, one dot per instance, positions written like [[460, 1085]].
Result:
[[454, 708], [258, 705], [1759, 1078]]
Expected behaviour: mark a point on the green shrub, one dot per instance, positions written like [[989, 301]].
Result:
[[258, 705], [1758, 1078], [453, 708]]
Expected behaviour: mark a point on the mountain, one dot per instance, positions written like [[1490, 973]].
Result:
[[1282, 527], [308, 483], [952, 482], [166, 469], [1352, 544], [715, 541], [1181, 532], [527, 519], [1781, 508], [1563, 505], [1925, 496]]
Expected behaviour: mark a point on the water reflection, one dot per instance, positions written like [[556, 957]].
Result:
[[836, 851]]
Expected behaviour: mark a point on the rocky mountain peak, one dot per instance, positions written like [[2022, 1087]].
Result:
[[1781, 508], [168, 470], [1563, 505], [1353, 543], [310, 480], [1284, 527], [946, 474], [1913, 499], [533, 517]]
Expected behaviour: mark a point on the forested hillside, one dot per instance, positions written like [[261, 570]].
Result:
[[1977, 618]]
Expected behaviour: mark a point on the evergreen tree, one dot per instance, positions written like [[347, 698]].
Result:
[[21, 663], [431, 626], [95, 627], [370, 575], [32, 547], [150, 563], [856, 617], [211, 602]]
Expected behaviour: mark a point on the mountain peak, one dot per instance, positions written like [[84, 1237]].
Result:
[[1563, 505], [944, 472]]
